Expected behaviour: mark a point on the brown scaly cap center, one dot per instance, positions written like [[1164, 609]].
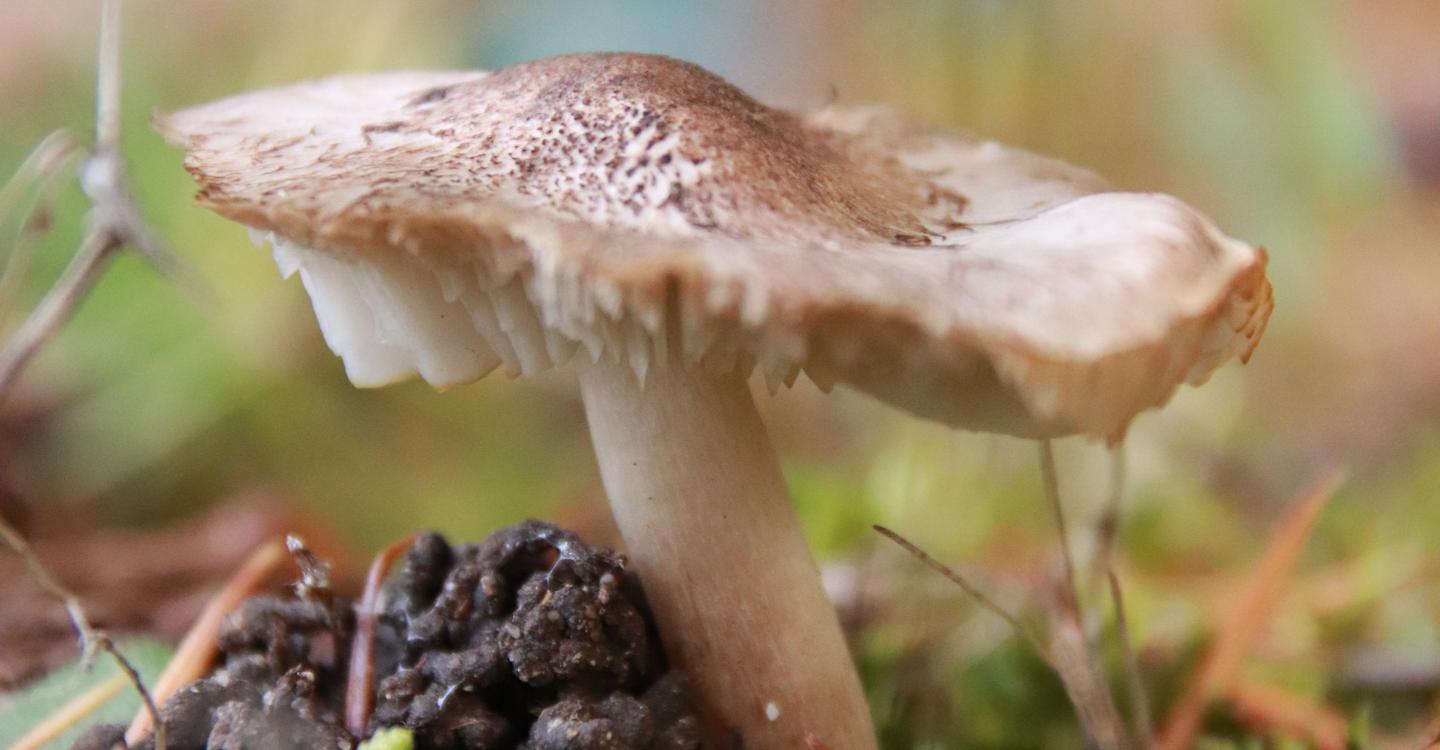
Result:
[[631, 138]]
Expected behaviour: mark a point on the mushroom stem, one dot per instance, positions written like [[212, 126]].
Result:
[[698, 495]]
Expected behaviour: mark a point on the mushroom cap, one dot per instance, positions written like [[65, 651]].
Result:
[[654, 212]]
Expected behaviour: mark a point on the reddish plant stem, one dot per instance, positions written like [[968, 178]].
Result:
[[359, 685]]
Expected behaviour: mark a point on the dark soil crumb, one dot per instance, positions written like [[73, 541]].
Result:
[[529, 640]]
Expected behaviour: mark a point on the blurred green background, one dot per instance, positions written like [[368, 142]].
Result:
[[1311, 127]]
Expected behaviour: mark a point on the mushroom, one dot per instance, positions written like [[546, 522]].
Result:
[[681, 235]]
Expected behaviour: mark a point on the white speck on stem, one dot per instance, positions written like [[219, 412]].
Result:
[[772, 711]]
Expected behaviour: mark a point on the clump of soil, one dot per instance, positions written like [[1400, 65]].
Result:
[[529, 640]]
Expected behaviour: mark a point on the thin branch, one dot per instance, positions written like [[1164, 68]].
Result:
[[973, 592], [42, 576], [1067, 654], [114, 221], [52, 312], [107, 87], [1141, 723], [92, 640]]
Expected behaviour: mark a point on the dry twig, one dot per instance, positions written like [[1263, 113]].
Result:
[[92, 640], [113, 223], [974, 593], [1066, 653]]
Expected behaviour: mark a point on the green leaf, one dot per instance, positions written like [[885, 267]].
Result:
[[389, 738], [22, 710]]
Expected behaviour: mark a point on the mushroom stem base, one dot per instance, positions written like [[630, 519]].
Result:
[[698, 495]]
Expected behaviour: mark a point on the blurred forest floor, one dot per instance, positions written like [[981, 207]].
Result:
[[160, 435]]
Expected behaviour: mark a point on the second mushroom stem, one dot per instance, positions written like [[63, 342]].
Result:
[[1071, 652], [698, 495]]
